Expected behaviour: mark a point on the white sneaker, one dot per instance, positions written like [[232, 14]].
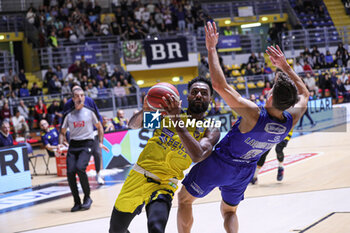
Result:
[[99, 179]]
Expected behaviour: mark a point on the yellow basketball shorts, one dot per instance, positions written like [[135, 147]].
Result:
[[138, 190]]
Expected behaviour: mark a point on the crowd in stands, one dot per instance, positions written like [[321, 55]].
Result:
[[17, 125], [99, 83], [315, 7], [13, 85], [94, 80], [337, 84], [314, 59], [21, 123], [311, 13], [77, 20], [324, 75]]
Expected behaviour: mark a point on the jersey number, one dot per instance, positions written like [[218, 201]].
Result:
[[251, 154]]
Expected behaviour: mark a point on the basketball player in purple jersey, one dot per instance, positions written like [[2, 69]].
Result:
[[232, 164]]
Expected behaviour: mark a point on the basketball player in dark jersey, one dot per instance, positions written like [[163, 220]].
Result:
[[232, 164]]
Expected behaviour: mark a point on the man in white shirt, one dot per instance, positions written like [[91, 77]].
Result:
[[343, 77], [23, 109], [138, 14], [92, 91], [120, 93], [66, 89], [310, 82], [20, 124], [298, 68], [145, 15]]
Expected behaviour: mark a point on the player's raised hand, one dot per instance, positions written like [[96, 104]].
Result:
[[173, 105], [277, 57], [211, 35]]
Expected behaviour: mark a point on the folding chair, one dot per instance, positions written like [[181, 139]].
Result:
[[32, 156]]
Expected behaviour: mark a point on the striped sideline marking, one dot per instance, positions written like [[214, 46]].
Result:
[[288, 161]]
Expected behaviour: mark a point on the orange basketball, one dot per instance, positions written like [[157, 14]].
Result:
[[155, 94]]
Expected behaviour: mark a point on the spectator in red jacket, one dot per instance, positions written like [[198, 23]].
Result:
[[267, 88], [75, 67], [40, 111], [5, 112], [307, 67]]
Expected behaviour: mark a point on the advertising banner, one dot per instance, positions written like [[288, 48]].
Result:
[[166, 51], [132, 51], [321, 115], [15, 173], [229, 43], [90, 56]]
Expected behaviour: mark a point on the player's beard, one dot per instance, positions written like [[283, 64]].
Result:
[[197, 107]]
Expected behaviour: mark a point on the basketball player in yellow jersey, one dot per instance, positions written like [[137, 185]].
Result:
[[171, 150]]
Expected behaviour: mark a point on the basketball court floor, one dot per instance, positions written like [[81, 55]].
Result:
[[312, 198]]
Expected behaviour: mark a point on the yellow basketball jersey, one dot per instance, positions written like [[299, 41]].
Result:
[[164, 155]]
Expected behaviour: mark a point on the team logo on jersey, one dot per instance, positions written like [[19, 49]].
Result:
[[151, 120], [196, 134], [200, 129], [78, 124], [168, 132], [276, 139], [275, 128]]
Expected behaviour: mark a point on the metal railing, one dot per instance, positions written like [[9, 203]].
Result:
[[108, 48], [321, 37], [106, 101], [12, 22], [65, 55], [15, 5], [7, 61], [191, 39], [23, 5], [251, 42], [94, 39], [292, 16], [230, 9]]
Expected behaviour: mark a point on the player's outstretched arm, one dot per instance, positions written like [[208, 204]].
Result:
[[278, 59], [50, 147], [242, 106], [137, 119], [197, 150]]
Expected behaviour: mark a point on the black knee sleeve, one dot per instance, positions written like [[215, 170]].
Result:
[[279, 150], [120, 221], [263, 158], [157, 224], [158, 213]]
